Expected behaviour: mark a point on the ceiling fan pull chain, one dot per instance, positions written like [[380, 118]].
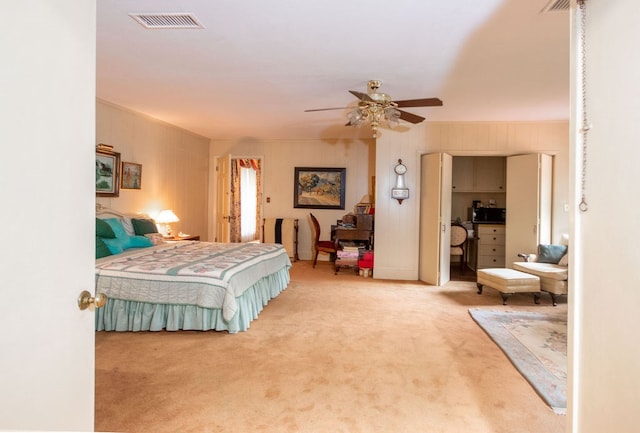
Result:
[[584, 130]]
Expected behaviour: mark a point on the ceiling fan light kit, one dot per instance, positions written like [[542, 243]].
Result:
[[377, 108]]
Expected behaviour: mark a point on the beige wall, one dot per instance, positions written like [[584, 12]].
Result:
[[397, 226], [175, 166], [281, 157], [179, 173]]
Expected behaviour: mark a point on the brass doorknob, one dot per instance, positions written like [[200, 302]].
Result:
[[85, 300]]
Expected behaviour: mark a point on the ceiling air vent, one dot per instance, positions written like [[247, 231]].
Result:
[[556, 6], [179, 20]]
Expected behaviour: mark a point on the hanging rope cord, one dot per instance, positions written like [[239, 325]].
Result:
[[584, 130]]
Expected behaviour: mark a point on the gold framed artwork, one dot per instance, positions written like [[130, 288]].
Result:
[[131, 175], [107, 171]]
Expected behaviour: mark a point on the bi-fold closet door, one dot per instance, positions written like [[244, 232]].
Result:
[[435, 218], [528, 190], [529, 186]]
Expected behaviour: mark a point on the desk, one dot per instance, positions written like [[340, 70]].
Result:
[[353, 234]]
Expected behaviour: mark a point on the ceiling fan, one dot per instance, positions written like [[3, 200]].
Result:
[[375, 107]]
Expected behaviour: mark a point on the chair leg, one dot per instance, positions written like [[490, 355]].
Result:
[[315, 259]]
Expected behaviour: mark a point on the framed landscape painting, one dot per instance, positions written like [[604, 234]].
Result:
[[107, 170], [319, 188]]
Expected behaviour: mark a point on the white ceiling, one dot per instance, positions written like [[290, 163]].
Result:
[[258, 64]]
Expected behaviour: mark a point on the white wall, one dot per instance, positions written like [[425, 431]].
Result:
[[281, 157], [397, 226], [605, 283], [175, 166], [47, 125]]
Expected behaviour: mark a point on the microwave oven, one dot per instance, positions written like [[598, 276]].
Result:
[[488, 215]]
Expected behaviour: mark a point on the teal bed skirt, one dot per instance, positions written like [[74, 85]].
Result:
[[123, 315]]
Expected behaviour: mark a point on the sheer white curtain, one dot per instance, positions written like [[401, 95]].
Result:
[[248, 204]]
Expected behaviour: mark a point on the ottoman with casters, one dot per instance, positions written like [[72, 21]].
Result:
[[509, 281]]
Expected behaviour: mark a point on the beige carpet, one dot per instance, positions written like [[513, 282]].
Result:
[[330, 354]]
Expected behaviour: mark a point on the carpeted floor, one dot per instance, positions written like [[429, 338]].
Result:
[[333, 353], [536, 343]]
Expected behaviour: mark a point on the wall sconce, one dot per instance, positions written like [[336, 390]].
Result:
[[166, 218], [400, 192]]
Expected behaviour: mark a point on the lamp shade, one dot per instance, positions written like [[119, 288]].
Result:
[[167, 217]]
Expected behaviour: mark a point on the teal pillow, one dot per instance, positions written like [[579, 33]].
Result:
[[104, 230], [115, 246], [123, 241], [142, 226], [102, 250], [551, 253], [118, 245], [117, 227], [139, 242]]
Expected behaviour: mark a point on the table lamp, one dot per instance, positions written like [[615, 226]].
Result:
[[166, 218]]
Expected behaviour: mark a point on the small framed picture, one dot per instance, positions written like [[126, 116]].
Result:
[[107, 171], [131, 176]]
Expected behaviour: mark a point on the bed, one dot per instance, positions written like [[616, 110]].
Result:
[[154, 285]]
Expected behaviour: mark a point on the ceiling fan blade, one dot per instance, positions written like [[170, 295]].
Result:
[[426, 102], [411, 118], [361, 96], [325, 109]]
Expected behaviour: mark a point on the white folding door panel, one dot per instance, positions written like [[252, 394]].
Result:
[[435, 218], [528, 204]]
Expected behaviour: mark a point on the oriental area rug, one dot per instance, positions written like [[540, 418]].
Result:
[[536, 344]]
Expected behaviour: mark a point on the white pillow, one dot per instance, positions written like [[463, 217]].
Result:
[[128, 225]]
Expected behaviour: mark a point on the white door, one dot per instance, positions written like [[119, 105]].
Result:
[[528, 205], [47, 127], [223, 198], [435, 218]]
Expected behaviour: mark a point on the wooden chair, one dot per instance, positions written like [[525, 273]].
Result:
[[459, 236], [318, 245]]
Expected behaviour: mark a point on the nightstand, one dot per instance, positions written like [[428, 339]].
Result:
[[184, 238]]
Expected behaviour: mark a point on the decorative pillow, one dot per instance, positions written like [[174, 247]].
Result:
[[128, 226], [564, 261], [123, 241], [115, 246], [142, 226], [139, 242], [101, 248], [156, 238], [551, 253], [104, 230], [117, 227]]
